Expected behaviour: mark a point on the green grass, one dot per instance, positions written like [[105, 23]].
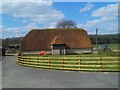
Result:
[[101, 54], [113, 46]]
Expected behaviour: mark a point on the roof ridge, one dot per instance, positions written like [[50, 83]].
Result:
[[56, 29]]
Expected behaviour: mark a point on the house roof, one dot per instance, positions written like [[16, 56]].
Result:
[[57, 40], [40, 39]]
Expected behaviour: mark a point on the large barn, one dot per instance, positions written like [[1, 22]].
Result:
[[57, 41]]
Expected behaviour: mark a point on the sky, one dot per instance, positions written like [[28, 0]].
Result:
[[18, 18]]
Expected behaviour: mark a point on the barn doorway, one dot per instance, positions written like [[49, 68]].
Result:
[[58, 46], [62, 51], [58, 49]]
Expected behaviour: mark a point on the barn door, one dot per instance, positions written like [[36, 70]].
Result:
[[62, 51]]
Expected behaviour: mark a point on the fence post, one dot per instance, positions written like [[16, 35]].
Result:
[[38, 62], [22, 60], [48, 62], [22, 57], [18, 57], [100, 64], [79, 63], [63, 62], [29, 61]]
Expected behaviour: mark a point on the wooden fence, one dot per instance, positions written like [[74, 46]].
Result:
[[99, 64]]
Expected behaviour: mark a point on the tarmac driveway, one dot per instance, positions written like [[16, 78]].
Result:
[[15, 76]]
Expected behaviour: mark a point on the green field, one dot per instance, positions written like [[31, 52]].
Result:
[[113, 46]]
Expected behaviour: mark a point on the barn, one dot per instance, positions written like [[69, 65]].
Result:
[[57, 41]]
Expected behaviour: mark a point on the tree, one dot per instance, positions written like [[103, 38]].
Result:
[[66, 24]]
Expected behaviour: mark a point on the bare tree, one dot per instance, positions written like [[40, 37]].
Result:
[[66, 24]]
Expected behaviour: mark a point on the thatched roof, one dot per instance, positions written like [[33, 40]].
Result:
[[57, 40], [40, 39]]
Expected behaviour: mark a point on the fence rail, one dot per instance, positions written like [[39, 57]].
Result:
[[99, 64]]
